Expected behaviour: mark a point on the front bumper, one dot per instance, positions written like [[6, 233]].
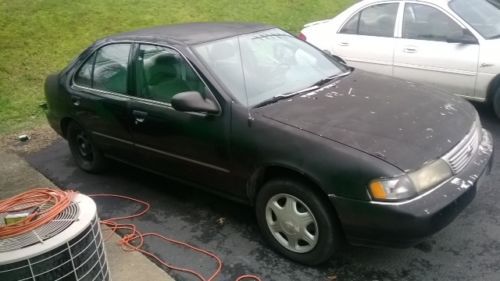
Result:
[[404, 224]]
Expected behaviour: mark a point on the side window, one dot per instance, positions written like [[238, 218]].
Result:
[[427, 23], [351, 27], [110, 68], [163, 73], [84, 75], [378, 20]]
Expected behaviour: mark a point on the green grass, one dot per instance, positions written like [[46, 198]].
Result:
[[38, 37]]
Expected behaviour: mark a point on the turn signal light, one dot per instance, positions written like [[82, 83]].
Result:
[[377, 190]]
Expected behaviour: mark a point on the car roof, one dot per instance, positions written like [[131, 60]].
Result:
[[191, 33]]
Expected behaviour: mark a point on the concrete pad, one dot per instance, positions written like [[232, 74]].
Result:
[[17, 176]]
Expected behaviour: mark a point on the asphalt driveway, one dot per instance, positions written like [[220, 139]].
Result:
[[468, 249]]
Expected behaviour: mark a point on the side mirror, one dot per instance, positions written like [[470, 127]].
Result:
[[193, 101], [464, 37]]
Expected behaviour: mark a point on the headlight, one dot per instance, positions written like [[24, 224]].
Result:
[[411, 184]]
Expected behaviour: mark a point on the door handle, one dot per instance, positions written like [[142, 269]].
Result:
[[140, 116], [75, 100], [344, 44], [410, 50]]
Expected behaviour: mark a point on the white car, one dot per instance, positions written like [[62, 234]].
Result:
[[454, 44]]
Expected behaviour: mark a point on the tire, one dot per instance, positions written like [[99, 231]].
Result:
[[312, 217], [86, 155], [496, 102]]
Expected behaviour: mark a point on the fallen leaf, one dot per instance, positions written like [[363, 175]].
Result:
[[332, 277], [221, 220]]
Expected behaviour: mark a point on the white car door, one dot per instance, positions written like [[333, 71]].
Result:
[[435, 49], [366, 40]]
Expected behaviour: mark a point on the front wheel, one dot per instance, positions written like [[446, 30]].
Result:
[[87, 156], [496, 102], [297, 222]]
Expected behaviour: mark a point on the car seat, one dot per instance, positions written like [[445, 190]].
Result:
[[162, 77]]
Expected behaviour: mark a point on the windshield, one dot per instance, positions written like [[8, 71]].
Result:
[[259, 66], [482, 15]]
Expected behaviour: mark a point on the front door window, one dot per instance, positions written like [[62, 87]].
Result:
[[162, 73], [422, 22]]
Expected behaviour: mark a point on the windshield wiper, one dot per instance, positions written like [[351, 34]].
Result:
[[313, 87], [331, 78], [494, 37], [284, 96]]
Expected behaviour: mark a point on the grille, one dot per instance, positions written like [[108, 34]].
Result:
[[462, 153], [82, 258]]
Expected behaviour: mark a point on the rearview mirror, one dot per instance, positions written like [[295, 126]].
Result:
[[464, 37], [193, 101]]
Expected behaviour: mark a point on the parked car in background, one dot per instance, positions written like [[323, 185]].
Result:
[[251, 112], [454, 44]]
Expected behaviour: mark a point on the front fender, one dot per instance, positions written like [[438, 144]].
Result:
[[337, 169]]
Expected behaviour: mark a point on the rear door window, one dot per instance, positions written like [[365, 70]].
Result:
[[110, 68], [377, 20], [106, 69]]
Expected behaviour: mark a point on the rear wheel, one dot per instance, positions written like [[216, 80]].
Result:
[[297, 222], [496, 102], [87, 156]]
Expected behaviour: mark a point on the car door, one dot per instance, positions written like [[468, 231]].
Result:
[[188, 146], [429, 50], [366, 40], [100, 99]]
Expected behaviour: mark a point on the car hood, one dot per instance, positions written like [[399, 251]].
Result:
[[403, 123]]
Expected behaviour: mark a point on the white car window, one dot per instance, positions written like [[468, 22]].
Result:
[[378, 20], [423, 22], [351, 27], [482, 15]]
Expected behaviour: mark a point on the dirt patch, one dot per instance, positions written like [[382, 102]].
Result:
[[38, 138]]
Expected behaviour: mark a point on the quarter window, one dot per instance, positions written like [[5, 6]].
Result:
[[84, 75], [378, 20], [106, 69], [163, 73], [423, 22], [351, 27]]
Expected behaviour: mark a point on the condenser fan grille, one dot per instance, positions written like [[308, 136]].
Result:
[[82, 258], [47, 231]]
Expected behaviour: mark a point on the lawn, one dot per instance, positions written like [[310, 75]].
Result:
[[38, 37]]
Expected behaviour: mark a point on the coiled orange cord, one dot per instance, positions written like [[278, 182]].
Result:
[[134, 240], [55, 200]]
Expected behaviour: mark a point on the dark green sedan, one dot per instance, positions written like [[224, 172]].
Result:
[[321, 150]]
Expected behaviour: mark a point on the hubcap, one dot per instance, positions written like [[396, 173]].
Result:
[[84, 146], [292, 223]]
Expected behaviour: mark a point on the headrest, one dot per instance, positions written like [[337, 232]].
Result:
[[161, 68], [166, 58]]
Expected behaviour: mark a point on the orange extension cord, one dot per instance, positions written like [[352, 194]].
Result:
[[34, 199], [132, 241]]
